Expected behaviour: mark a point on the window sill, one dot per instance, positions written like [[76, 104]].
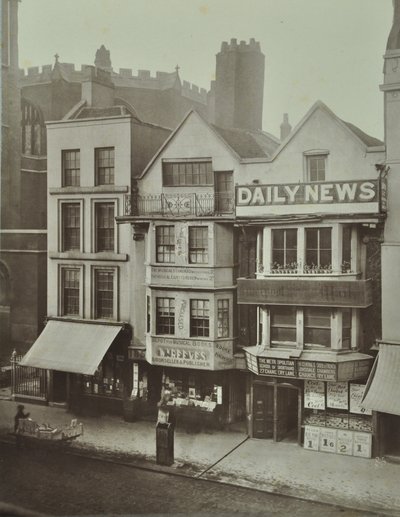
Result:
[[100, 189], [77, 255]]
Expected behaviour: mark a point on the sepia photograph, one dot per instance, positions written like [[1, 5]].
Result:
[[200, 258]]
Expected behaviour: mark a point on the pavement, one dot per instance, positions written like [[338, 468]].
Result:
[[231, 457]]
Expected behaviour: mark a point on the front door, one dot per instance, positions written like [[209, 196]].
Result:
[[286, 413], [224, 192], [263, 411]]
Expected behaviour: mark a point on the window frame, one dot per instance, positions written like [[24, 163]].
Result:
[[95, 304], [165, 249], [182, 173], [62, 206], [198, 248], [199, 326], [223, 318], [77, 170], [97, 204], [168, 321], [318, 249], [310, 345], [61, 290], [275, 342], [98, 180], [285, 249]]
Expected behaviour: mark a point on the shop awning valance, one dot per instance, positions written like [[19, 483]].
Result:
[[71, 346], [382, 392]]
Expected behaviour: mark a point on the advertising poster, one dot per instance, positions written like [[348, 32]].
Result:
[[356, 395], [314, 394], [362, 445], [337, 395], [311, 437], [327, 440], [344, 442]]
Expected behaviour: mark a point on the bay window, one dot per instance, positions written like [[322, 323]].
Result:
[[319, 247], [283, 324], [317, 326], [284, 248]]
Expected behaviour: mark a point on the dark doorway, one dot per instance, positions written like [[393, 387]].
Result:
[[392, 435], [276, 411], [59, 386]]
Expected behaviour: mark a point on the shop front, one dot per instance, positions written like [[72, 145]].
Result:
[[313, 399]]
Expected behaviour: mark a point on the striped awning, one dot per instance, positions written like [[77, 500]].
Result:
[[382, 392], [73, 347]]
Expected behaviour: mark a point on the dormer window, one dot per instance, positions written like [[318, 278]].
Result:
[[315, 165]]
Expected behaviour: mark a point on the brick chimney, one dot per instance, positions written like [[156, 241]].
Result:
[[286, 128]]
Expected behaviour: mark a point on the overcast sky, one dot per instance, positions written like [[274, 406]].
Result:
[[315, 49]]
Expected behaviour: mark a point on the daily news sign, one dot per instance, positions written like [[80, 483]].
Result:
[[302, 198]]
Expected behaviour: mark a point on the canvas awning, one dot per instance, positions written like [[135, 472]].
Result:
[[382, 392], [71, 346]]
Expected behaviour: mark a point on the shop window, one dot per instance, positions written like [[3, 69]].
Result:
[[108, 378], [284, 249], [165, 316], [71, 168], [104, 217], [165, 244], [223, 318], [71, 226], [346, 249], [198, 244], [346, 328], [104, 159], [283, 324], [70, 292], [317, 326], [187, 173], [199, 318], [319, 248], [104, 294], [316, 167]]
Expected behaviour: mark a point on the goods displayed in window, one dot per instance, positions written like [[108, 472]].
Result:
[[108, 378]]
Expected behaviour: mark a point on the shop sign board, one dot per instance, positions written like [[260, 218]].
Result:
[[362, 445], [191, 353], [337, 395], [327, 440], [332, 293], [356, 396], [182, 276], [301, 369], [351, 196], [344, 442], [314, 394], [311, 437]]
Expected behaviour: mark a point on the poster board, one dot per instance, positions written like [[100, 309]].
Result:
[[327, 440], [344, 443], [337, 395], [362, 445], [311, 438], [314, 394], [356, 395]]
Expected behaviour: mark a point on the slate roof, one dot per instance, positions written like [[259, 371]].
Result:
[[368, 140], [112, 111], [249, 144]]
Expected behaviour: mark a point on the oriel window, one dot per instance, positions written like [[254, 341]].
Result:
[[317, 326], [199, 318], [319, 247], [104, 294], [346, 328], [283, 324], [104, 226], [165, 316], [71, 168], [198, 244], [223, 318], [284, 248], [165, 244], [71, 226], [104, 166]]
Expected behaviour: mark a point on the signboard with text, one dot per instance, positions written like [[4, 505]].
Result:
[[358, 196], [286, 291]]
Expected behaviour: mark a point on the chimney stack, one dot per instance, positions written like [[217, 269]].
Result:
[[286, 128], [97, 88]]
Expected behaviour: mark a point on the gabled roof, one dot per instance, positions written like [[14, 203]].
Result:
[[249, 144], [363, 139]]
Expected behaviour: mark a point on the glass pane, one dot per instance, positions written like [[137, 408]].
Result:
[[325, 258], [283, 334], [312, 257], [291, 239], [312, 238], [278, 238], [278, 258], [325, 238], [315, 317], [317, 337], [283, 316], [291, 257]]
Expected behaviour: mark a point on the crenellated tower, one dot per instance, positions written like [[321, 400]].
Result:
[[239, 86]]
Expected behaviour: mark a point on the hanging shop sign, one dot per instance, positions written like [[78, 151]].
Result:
[[337, 395], [190, 353], [356, 396], [302, 369], [331, 293], [363, 196], [314, 394]]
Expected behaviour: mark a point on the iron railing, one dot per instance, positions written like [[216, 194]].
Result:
[[191, 204], [27, 381]]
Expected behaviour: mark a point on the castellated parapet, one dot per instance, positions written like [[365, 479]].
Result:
[[125, 77]]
